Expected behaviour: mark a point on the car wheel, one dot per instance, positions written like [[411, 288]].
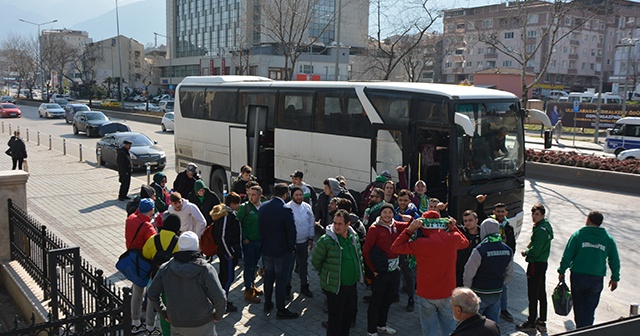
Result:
[[39, 114], [75, 129], [164, 129], [618, 151], [629, 158], [99, 159], [66, 120], [218, 181], [88, 132]]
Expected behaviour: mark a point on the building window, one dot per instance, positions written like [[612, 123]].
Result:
[[460, 51], [584, 66], [507, 63], [508, 35], [447, 65], [460, 26], [553, 63], [533, 18], [480, 51], [567, 21], [491, 50], [530, 48], [491, 64], [564, 64], [487, 24], [591, 66], [532, 33]]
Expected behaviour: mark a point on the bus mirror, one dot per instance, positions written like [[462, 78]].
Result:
[[540, 116], [463, 121]]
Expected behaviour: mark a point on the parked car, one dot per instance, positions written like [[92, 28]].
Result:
[[167, 122], [7, 99], [10, 110], [53, 97], [138, 98], [88, 122], [161, 97], [50, 110], [629, 154], [110, 103], [143, 107], [142, 151], [624, 135], [113, 127], [556, 94], [166, 105], [71, 109]]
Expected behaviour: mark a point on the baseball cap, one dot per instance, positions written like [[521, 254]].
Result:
[[192, 167], [297, 173], [127, 142], [146, 205]]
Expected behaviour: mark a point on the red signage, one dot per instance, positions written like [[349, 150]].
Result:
[[222, 67], [211, 67]]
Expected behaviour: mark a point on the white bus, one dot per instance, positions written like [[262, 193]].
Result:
[[463, 141]]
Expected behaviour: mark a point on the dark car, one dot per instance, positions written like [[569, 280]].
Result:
[[71, 109], [7, 99], [142, 151], [112, 127], [89, 122]]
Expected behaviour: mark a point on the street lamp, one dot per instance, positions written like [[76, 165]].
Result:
[[169, 51], [627, 42], [39, 53], [119, 56]]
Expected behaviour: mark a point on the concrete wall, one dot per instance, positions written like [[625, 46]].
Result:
[[13, 185]]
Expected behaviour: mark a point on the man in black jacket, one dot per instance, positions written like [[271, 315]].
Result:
[[18, 150], [186, 179], [204, 199], [124, 170], [508, 237], [465, 305]]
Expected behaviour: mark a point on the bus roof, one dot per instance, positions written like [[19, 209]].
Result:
[[449, 90]]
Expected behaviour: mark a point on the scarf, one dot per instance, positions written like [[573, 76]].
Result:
[[492, 238], [369, 210]]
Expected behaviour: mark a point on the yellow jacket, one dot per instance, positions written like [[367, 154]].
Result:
[[149, 250]]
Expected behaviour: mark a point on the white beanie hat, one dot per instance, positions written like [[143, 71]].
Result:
[[188, 241]]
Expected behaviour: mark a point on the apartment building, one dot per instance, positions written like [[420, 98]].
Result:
[[132, 57], [210, 37], [50, 41], [485, 37]]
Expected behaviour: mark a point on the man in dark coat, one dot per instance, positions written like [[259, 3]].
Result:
[[465, 305], [278, 236], [124, 170], [186, 179], [18, 150], [204, 199]]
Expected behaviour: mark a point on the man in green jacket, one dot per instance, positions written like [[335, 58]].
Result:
[[586, 254], [248, 216], [338, 258], [537, 255]]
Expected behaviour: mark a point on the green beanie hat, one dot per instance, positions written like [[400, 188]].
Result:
[[199, 184]]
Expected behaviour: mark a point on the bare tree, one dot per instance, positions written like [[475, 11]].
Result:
[[410, 26], [57, 56], [425, 56], [19, 54], [538, 38], [287, 24], [86, 62]]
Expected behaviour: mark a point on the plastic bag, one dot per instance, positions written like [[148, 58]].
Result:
[[562, 300]]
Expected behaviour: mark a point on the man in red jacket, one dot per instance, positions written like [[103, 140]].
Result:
[[138, 229], [436, 250]]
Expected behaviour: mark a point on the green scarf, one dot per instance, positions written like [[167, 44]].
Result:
[[369, 210], [492, 238]]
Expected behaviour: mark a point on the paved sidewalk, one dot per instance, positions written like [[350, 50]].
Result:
[[77, 201]]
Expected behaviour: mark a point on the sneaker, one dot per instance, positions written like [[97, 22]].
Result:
[[251, 297], [231, 308], [541, 326], [526, 326], [154, 332], [257, 291], [286, 314], [386, 330], [372, 334], [138, 329], [506, 315], [304, 290]]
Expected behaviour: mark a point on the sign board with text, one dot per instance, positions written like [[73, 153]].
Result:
[[586, 115]]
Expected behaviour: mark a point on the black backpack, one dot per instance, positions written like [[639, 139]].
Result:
[[162, 256]]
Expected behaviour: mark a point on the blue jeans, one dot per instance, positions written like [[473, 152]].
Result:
[[434, 313], [251, 254], [276, 270], [503, 298], [490, 306], [585, 290]]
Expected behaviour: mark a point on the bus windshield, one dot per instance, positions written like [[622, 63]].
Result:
[[496, 147]]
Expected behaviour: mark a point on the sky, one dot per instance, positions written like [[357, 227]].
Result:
[[138, 18]]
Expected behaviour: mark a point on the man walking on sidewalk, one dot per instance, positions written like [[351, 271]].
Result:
[[124, 170], [586, 254]]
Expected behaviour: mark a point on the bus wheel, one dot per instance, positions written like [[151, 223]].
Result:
[[218, 182], [618, 151]]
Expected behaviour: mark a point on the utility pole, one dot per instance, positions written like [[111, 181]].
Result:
[[39, 54], [119, 56]]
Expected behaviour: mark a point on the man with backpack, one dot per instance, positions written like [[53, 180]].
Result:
[[160, 249]]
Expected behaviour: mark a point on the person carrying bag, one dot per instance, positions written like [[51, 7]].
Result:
[[134, 266], [562, 300]]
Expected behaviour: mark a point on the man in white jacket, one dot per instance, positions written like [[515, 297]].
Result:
[[304, 219], [191, 218]]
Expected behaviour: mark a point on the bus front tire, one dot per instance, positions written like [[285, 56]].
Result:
[[218, 181]]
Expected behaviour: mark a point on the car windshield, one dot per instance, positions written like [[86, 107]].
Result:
[[61, 101], [169, 116], [81, 108], [139, 140], [52, 106], [496, 146], [96, 116], [8, 106]]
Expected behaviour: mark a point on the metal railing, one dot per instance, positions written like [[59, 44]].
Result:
[[82, 301]]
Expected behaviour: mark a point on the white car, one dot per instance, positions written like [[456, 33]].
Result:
[[143, 107], [167, 122], [50, 110], [629, 154]]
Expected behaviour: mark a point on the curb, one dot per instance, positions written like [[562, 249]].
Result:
[[592, 178], [109, 112]]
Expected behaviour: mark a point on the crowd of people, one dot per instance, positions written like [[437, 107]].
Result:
[[388, 238]]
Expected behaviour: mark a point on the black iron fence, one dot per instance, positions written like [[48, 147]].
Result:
[[82, 302]]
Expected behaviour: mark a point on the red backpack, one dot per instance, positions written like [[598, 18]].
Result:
[[208, 245]]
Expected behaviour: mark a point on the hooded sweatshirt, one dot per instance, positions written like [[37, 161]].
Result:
[[587, 252], [491, 262], [227, 230], [540, 245], [191, 218], [193, 292], [206, 202], [161, 192]]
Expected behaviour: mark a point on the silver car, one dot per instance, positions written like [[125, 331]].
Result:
[[50, 110]]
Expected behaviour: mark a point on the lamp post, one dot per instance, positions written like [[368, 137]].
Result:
[[627, 42], [169, 51], [119, 56], [339, 19], [39, 53]]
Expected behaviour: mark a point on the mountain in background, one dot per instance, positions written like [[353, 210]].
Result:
[[138, 18]]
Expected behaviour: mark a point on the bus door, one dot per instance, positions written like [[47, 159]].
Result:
[[429, 158], [260, 145], [387, 152]]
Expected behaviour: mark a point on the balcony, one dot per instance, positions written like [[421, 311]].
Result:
[[573, 56], [574, 42], [572, 71], [494, 55]]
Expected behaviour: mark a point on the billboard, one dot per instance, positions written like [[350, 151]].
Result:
[[586, 115]]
